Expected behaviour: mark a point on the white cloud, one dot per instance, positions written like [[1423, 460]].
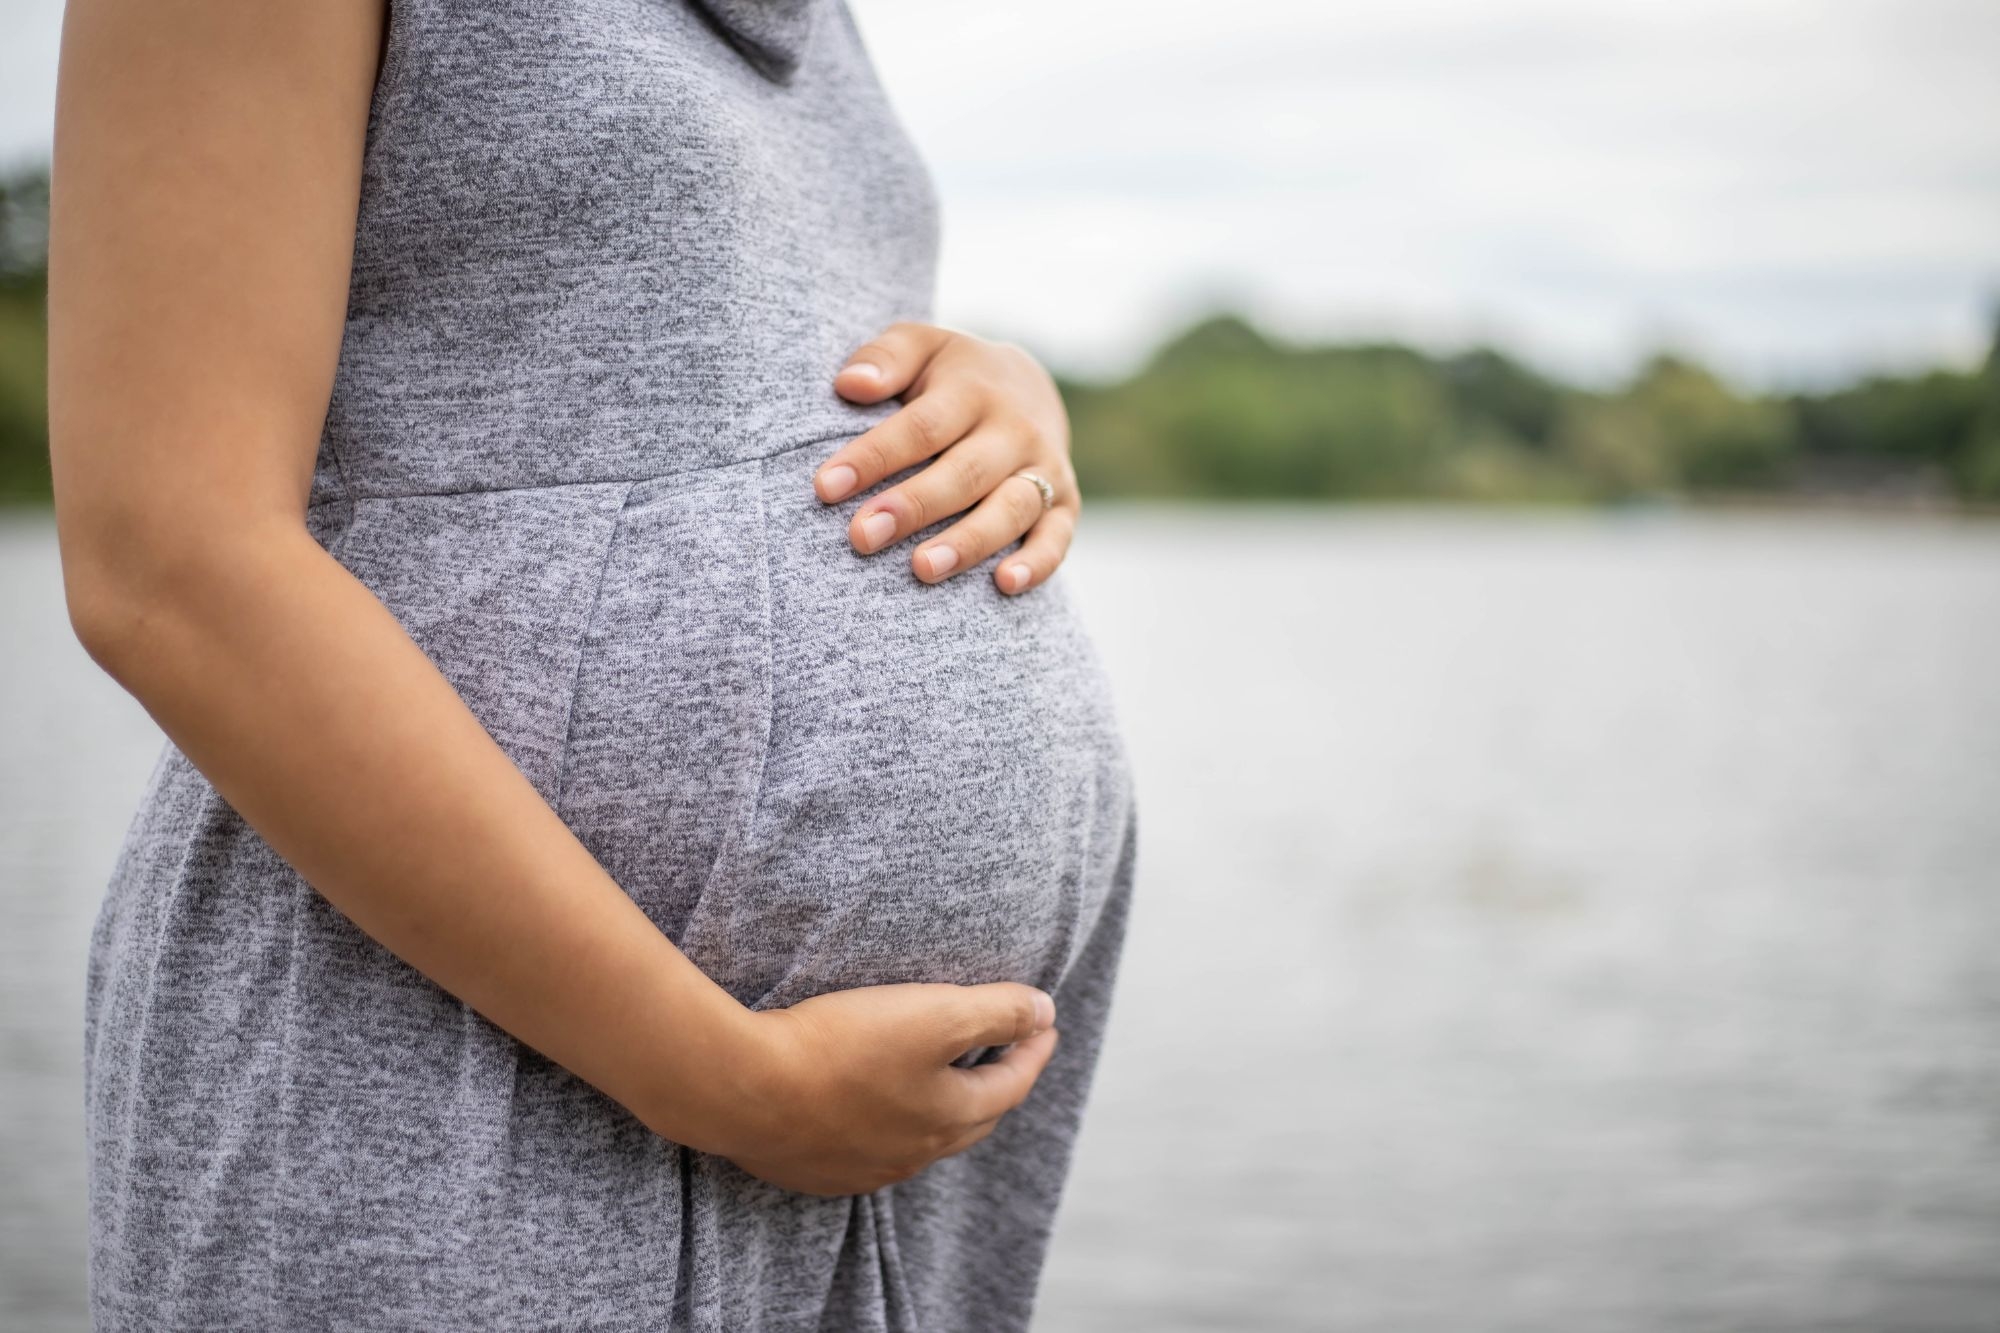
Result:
[[29, 34], [1794, 187]]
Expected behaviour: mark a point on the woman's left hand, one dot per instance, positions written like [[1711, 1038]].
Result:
[[987, 411]]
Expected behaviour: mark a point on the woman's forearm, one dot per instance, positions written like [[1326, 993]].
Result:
[[305, 703]]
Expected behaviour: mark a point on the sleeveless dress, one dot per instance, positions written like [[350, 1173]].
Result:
[[609, 255]]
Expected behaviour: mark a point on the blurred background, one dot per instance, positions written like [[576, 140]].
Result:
[[1543, 462]]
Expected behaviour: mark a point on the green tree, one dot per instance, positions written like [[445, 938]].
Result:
[[24, 412], [1714, 437], [1978, 466]]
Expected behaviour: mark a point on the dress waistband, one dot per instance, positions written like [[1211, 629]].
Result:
[[332, 484]]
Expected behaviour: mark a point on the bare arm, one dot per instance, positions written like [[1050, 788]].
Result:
[[206, 178], [207, 170]]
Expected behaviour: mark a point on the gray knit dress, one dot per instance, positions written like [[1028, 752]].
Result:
[[610, 254]]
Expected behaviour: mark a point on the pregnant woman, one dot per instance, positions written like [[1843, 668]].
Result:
[[645, 842]]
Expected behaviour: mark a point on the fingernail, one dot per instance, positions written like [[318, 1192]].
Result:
[[838, 480], [1045, 1010], [1018, 575], [941, 558], [877, 528], [866, 370]]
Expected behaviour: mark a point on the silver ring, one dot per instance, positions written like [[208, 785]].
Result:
[[1042, 485]]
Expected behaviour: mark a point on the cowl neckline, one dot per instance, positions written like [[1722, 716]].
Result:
[[770, 34]]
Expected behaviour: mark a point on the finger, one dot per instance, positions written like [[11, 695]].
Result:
[[994, 1014], [1046, 547], [963, 475], [923, 427], [890, 364], [998, 1086], [1012, 508]]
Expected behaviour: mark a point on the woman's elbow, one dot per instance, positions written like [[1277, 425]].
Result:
[[133, 572], [107, 587]]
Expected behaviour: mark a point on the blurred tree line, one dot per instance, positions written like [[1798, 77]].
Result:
[[24, 286], [1225, 411]]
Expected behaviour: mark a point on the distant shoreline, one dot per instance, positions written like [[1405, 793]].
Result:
[[1746, 504]]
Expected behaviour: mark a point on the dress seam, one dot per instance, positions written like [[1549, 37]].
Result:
[[591, 481], [754, 800], [769, 597], [582, 645]]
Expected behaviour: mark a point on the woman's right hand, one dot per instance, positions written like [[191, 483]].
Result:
[[859, 1091]]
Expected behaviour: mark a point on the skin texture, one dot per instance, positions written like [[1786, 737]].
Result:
[[207, 174]]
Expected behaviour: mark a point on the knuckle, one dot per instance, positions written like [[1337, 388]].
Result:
[[925, 426], [1028, 436], [977, 385], [971, 472], [875, 450]]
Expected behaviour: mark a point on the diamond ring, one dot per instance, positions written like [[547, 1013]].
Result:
[[1041, 484]]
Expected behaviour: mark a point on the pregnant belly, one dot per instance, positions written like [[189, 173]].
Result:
[[814, 771]]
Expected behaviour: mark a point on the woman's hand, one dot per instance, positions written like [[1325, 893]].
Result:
[[857, 1089], [990, 411]]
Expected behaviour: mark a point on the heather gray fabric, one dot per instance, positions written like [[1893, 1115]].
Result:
[[609, 256]]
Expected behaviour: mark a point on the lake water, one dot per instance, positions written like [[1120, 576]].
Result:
[[1562, 923]]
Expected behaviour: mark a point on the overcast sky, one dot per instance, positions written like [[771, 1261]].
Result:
[[1794, 188]]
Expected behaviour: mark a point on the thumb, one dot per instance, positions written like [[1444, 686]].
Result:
[[998, 1086], [999, 1013], [890, 364]]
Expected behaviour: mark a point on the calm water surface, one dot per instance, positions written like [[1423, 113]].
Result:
[[1566, 924]]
